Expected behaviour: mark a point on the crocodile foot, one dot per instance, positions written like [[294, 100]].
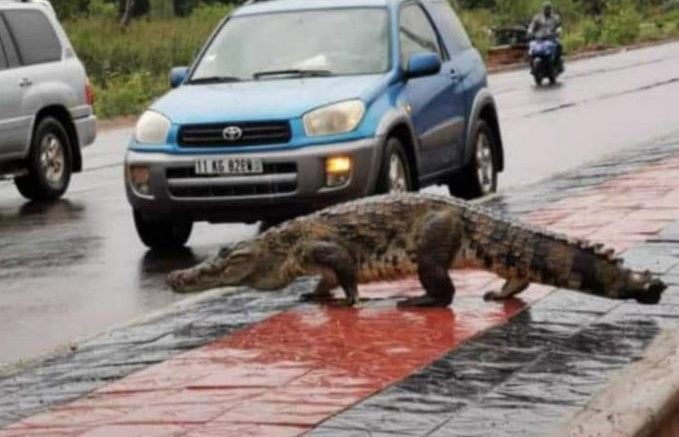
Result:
[[315, 297], [424, 302], [494, 296]]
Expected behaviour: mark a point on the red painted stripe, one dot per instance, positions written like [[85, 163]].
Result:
[[283, 376]]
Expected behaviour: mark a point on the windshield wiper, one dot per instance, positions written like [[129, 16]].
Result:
[[293, 72], [214, 79]]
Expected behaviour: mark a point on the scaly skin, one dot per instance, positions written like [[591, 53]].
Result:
[[395, 236]]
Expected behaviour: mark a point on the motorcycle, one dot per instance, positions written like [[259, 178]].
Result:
[[544, 60]]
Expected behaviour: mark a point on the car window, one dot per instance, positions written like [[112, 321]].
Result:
[[7, 45], [34, 36], [416, 33], [450, 26], [343, 41], [3, 58]]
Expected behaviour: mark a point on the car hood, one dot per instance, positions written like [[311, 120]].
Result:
[[260, 100]]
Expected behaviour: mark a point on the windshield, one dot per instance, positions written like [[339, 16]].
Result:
[[300, 43]]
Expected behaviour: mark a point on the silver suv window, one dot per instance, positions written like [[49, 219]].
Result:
[[34, 36], [3, 58], [7, 46]]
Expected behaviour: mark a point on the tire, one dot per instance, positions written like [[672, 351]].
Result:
[[552, 80], [479, 177], [162, 234], [49, 163], [538, 80], [395, 170]]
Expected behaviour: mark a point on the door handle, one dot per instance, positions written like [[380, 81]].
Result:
[[25, 82], [455, 76]]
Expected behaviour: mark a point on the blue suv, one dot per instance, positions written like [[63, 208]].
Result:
[[293, 105]]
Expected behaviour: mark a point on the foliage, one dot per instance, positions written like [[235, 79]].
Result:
[[128, 94], [620, 22], [129, 66]]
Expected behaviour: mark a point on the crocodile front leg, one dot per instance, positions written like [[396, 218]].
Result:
[[323, 291], [336, 266], [510, 289], [438, 245]]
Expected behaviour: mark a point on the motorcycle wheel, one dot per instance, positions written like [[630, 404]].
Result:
[[538, 79]]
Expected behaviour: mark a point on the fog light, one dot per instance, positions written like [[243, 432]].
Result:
[[337, 171], [139, 176]]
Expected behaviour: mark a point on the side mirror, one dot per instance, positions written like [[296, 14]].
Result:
[[423, 64], [178, 75]]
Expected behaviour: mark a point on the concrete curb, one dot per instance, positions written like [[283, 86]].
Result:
[[639, 401]]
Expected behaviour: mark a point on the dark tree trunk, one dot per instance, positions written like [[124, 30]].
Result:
[[127, 13]]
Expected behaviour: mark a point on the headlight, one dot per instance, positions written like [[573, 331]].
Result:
[[337, 118], [152, 128]]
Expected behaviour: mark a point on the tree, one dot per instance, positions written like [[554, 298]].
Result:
[[130, 9], [127, 12]]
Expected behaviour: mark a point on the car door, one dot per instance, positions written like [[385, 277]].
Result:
[[464, 62], [39, 50], [436, 104], [14, 123]]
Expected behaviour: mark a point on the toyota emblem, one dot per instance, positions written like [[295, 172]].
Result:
[[232, 133]]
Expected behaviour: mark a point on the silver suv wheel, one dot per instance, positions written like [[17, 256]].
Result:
[[52, 158]]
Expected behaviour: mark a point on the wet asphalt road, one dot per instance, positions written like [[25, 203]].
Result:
[[74, 268]]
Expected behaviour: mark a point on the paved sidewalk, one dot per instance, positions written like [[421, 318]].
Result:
[[248, 363]]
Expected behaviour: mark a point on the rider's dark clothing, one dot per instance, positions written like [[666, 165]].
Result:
[[544, 26]]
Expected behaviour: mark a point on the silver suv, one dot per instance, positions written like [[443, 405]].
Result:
[[46, 101]]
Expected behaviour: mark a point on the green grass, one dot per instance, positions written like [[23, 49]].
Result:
[[129, 67]]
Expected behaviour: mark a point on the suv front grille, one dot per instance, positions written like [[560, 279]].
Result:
[[280, 178], [253, 134]]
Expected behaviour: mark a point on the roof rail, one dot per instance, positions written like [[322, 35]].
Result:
[[45, 3]]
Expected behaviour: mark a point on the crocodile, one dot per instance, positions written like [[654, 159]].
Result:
[[395, 236]]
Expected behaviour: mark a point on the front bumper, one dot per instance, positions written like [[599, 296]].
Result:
[[292, 184]]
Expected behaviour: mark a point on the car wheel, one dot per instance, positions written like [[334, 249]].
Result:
[[479, 177], [395, 172], [162, 234], [49, 162]]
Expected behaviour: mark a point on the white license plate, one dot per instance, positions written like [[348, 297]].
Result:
[[229, 166]]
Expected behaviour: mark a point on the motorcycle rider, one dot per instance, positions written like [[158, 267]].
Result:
[[547, 25]]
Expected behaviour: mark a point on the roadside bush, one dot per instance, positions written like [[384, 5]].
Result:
[[128, 94], [621, 23], [478, 24], [129, 66]]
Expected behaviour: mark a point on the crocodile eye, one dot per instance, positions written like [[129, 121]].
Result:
[[240, 256]]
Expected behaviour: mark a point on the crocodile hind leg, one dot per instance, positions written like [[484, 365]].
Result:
[[511, 288], [323, 291], [438, 245], [337, 266]]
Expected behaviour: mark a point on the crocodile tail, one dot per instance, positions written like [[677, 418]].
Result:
[[513, 249]]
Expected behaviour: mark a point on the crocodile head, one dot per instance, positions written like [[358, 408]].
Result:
[[249, 263]]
